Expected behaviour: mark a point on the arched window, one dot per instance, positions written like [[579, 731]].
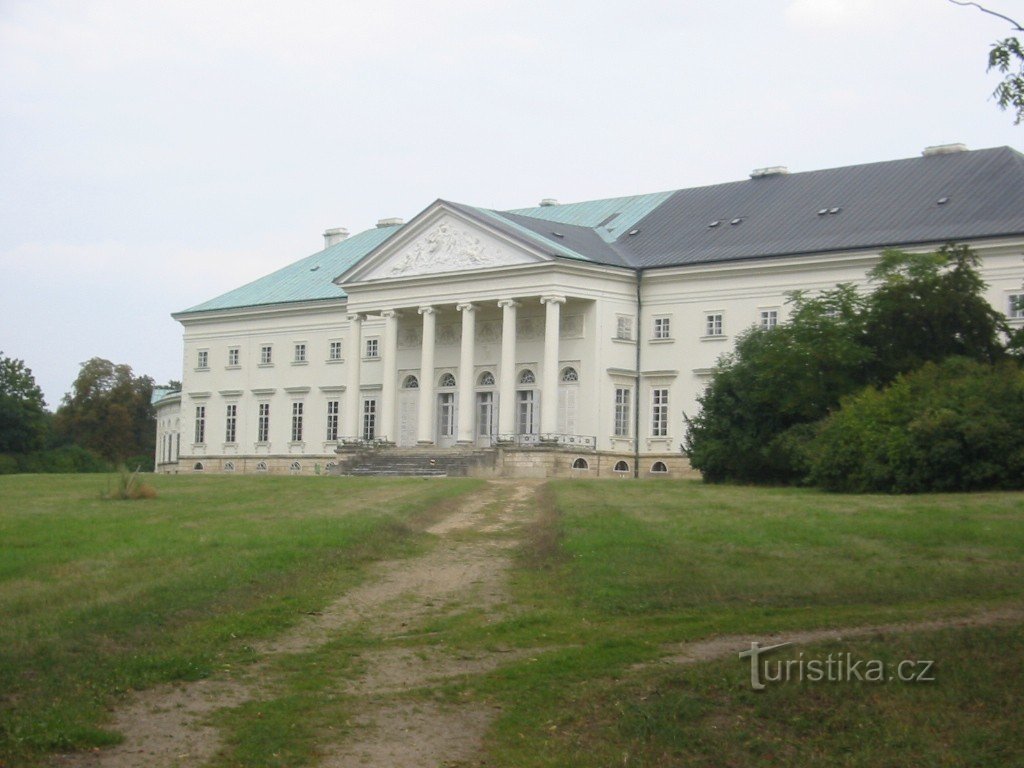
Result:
[[621, 466], [295, 467], [229, 466], [410, 382], [659, 466], [570, 374], [527, 377], [580, 464], [447, 380], [198, 467], [261, 466], [486, 379]]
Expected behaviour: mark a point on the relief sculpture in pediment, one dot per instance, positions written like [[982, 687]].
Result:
[[445, 248]]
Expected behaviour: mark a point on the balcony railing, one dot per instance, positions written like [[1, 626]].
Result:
[[573, 442]]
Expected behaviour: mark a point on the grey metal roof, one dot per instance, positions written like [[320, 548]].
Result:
[[880, 204]]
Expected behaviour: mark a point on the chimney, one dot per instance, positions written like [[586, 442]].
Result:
[[943, 149], [547, 202], [771, 170], [334, 236], [394, 221]]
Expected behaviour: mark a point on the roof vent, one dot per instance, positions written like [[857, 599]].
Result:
[[943, 149], [771, 170], [334, 236], [547, 202], [394, 221]]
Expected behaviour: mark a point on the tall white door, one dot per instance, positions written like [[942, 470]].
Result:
[[369, 418], [408, 412], [484, 418], [567, 398], [446, 420], [526, 416]]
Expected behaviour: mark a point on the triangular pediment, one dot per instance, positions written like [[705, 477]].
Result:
[[440, 241]]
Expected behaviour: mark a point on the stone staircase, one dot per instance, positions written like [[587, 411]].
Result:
[[414, 462]]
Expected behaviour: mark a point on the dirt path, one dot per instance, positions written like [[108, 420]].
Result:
[[724, 646], [168, 726]]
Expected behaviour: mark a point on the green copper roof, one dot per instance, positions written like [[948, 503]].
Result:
[[609, 218], [309, 279]]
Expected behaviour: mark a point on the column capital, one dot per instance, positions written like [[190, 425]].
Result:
[[356, 317], [388, 313], [552, 299], [507, 303], [427, 310], [465, 306]]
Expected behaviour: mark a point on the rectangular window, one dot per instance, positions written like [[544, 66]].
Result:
[[200, 424], [1015, 308], [769, 318], [263, 424], [623, 404], [233, 356], [371, 348], [335, 351], [230, 423], [659, 413], [662, 328], [203, 359], [624, 327], [713, 324], [300, 353], [266, 354], [296, 422], [332, 419]]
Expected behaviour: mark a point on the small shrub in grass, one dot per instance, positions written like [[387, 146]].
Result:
[[952, 426], [129, 487]]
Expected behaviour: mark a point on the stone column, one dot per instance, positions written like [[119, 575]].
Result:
[[466, 388], [507, 372], [389, 377], [425, 423], [549, 382], [352, 427]]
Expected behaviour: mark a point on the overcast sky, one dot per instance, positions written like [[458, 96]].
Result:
[[154, 155]]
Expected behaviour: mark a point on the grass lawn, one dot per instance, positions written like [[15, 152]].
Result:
[[614, 571], [98, 597]]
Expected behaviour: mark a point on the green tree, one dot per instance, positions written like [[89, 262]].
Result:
[[773, 383], [927, 307], [1007, 58], [109, 411], [23, 416]]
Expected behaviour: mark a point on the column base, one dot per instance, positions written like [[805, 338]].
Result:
[[425, 443]]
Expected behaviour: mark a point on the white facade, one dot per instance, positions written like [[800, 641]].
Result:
[[453, 333]]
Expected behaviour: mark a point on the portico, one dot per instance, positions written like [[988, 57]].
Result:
[[495, 389]]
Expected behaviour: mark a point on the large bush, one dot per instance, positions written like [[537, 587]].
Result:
[[758, 413], [952, 426]]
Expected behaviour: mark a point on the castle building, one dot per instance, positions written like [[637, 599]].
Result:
[[558, 339]]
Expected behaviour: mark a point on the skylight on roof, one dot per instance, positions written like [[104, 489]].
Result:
[[714, 223]]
